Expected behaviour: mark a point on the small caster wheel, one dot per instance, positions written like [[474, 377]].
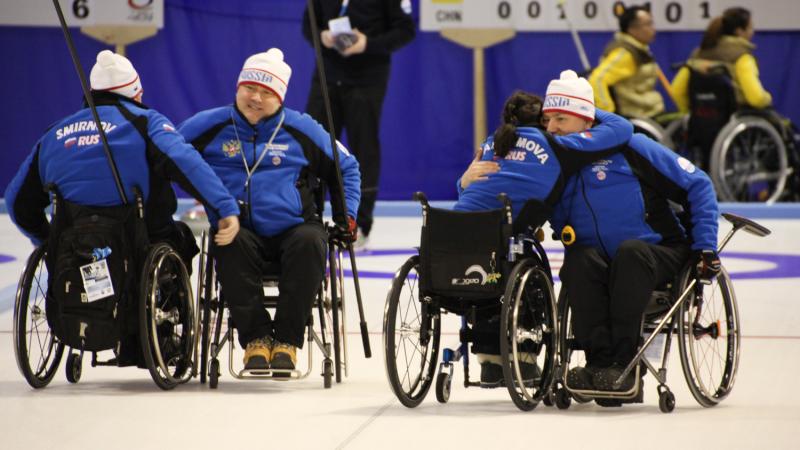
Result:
[[213, 373], [666, 401], [563, 399], [74, 367], [327, 373], [548, 399], [443, 387]]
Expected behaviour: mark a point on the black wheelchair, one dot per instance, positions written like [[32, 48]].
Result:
[[466, 263], [218, 328], [751, 155], [706, 320], [98, 284]]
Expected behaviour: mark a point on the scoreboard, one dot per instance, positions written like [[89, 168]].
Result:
[[598, 15]]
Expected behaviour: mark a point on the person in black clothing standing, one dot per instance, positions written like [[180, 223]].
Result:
[[357, 65]]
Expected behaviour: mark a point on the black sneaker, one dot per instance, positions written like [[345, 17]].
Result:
[[491, 375], [581, 378], [604, 379]]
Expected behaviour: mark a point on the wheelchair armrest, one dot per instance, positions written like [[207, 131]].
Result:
[[747, 225]]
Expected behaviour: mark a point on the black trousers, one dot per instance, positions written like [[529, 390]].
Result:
[[608, 298], [241, 265], [356, 109]]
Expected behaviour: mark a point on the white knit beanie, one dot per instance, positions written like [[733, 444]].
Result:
[[115, 73], [267, 70], [571, 95]]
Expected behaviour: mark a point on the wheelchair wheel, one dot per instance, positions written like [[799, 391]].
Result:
[[710, 337], [74, 367], [166, 317], [528, 334], [749, 161], [653, 130], [38, 352], [443, 385], [208, 307], [334, 310], [411, 331], [213, 374]]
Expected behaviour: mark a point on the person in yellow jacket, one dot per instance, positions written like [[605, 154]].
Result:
[[624, 81], [727, 42]]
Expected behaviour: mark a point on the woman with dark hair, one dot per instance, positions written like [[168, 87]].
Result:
[[525, 162], [727, 43]]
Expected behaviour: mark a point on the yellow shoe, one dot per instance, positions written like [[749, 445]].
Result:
[[258, 354], [284, 356]]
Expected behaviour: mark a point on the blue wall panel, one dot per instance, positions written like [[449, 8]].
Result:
[[193, 63]]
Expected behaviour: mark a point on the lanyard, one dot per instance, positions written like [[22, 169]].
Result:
[[251, 171], [343, 11]]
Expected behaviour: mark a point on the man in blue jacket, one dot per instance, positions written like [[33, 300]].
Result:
[[622, 239], [148, 152], [271, 159], [524, 162]]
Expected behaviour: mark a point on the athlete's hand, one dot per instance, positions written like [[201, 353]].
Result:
[[707, 265], [227, 228], [478, 171]]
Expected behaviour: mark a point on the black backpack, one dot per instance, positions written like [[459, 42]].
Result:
[[712, 102], [93, 259]]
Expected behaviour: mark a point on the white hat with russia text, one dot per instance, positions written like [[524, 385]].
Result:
[[267, 70], [571, 95]]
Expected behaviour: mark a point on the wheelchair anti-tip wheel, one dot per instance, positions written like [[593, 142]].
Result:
[[709, 339], [38, 352], [528, 335], [166, 317], [749, 161], [411, 330]]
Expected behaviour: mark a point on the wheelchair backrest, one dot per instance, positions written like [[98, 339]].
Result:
[[463, 254], [93, 256], [712, 101]]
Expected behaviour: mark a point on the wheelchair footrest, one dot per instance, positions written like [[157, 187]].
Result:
[[270, 374]]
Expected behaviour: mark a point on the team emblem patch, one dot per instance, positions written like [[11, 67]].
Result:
[[686, 165], [231, 148], [276, 160], [601, 175]]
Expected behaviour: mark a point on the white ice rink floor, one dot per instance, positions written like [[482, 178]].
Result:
[[123, 409]]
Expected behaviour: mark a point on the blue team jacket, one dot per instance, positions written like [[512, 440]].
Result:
[[539, 164], [147, 149], [280, 191], [624, 196]]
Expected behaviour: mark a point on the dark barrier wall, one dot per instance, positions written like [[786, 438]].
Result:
[[192, 64]]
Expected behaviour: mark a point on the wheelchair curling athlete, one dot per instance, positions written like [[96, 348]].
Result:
[[521, 160], [727, 42], [622, 240], [147, 150], [270, 158]]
